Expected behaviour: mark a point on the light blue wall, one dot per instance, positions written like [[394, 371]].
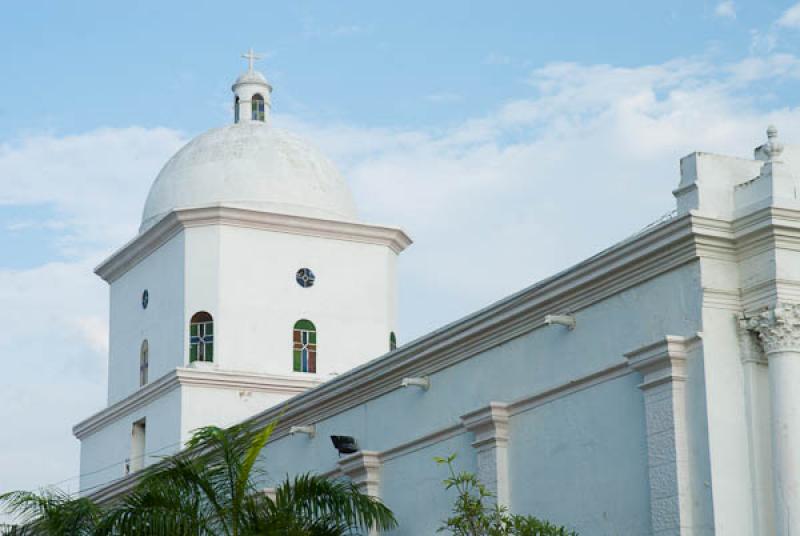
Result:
[[580, 459]]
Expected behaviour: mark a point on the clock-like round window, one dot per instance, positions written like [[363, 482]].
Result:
[[145, 299], [305, 277]]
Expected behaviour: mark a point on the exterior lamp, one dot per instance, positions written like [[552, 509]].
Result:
[[344, 444]]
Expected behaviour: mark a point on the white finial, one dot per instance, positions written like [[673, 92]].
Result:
[[251, 58], [773, 148]]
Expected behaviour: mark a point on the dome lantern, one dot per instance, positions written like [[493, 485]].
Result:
[[252, 93]]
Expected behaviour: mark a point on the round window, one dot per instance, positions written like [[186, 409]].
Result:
[[305, 277], [145, 299]]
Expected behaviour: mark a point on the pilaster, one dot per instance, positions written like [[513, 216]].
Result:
[[663, 369], [490, 426]]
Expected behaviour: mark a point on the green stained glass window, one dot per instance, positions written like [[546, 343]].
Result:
[[304, 346], [201, 337]]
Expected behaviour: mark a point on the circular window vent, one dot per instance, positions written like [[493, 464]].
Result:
[[305, 277]]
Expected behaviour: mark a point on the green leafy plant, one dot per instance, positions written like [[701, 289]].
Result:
[[208, 490], [50, 512], [476, 513], [211, 490]]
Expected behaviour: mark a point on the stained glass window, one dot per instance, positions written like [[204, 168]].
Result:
[[305, 277], [305, 346], [258, 108], [392, 341], [144, 362], [201, 337]]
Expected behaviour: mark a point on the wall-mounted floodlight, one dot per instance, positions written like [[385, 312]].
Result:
[[561, 320], [423, 382], [308, 430], [344, 444]]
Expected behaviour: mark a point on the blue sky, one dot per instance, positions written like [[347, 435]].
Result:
[[511, 139]]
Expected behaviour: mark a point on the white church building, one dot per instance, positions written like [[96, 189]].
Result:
[[652, 389]]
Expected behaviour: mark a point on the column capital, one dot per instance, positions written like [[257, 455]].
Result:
[[661, 362], [489, 424], [777, 328]]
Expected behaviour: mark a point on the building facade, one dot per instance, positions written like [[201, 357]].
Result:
[[648, 390]]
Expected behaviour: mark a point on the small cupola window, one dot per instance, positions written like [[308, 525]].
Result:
[[236, 110], [258, 108]]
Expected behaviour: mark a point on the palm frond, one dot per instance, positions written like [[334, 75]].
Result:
[[315, 498]]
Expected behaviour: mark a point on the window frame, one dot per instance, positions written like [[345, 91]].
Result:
[[144, 363], [258, 108]]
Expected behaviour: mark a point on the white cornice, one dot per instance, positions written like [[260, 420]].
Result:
[[177, 220], [213, 378]]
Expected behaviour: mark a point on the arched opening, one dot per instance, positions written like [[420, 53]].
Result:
[[392, 341], [257, 105], [236, 109], [304, 338], [201, 337], [144, 362]]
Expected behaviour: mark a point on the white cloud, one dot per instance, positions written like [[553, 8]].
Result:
[[791, 17], [494, 203], [52, 377], [725, 9], [54, 316], [94, 181]]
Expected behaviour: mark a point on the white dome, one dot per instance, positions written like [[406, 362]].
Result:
[[254, 166]]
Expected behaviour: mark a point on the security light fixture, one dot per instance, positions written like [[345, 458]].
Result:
[[344, 444], [562, 320], [423, 383], [307, 430]]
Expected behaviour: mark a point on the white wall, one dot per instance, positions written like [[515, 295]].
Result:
[[204, 406], [161, 273], [258, 301], [103, 453]]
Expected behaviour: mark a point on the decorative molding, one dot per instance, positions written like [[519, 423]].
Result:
[[363, 468], [490, 427], [725, 299], [778, 328], [766, 229], [528, 403], [179, 219], [422, 442], [192, 377]]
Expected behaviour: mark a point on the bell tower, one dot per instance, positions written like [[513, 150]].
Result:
[[252, 93], [251, 280]]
